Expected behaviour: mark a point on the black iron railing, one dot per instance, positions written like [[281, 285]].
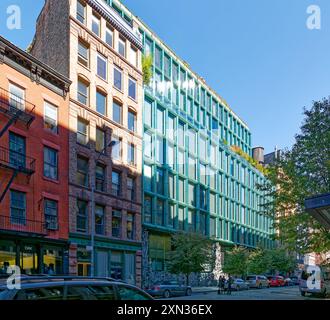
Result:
[[18, 161], [21, 224], [12, 105]]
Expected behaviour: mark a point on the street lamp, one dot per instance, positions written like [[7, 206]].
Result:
[[110, 145]]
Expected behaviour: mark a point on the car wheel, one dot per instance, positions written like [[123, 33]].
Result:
[[167, 294], [188, 292], [303, 293]]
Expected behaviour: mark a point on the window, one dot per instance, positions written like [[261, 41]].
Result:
[[160, 120], [17, 207], [181, 190], [192, 194], [83, 53], [171, 215], [191, 220], [51, 214], [148, 47], [122, 47], [147, 209], [160, 213], [181, 218], [170, 156], [131, 121], [202, 223], [102, 66], [192, 141], [167, 66], [160, 181], [17, 150], [117, 148], [117, 78], [203, 198], [82, 132], [81, 12], [116, 112], [171, 127], [109, 36], [116, 223], [147, 140], [147, 177], [133, 56], [160, 150], [213, 228], [171, 186], [203, 148], [100, 140], [203, 173], [99, 220], [192, 168], [50, 163], [83, 89], [130, 226], [100, 177], [17, 97], [50, 117], [158, 83], [82, 215], [181, 135], [82, 171], [96, 25], [101, 103], [129, 293], [148, 113], [175, 72], [181, 162], [131, 154], [132, 88], [115, 183], [130, 188], [158, 58]]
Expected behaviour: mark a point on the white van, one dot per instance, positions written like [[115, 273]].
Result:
[[315, 280]]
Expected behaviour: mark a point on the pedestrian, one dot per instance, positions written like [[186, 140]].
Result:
[[221, 284], [229, 281]]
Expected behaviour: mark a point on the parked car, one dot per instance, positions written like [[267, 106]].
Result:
[[257, 281], [288, 282], [168, 289], [321, 286], [276, 281], [239, 284], [72, 288], [295, 280]]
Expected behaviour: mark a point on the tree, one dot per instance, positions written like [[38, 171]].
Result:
[[190, 253], [302, 172], [235, 261], [258, 261], [147, 68], [278, 260]]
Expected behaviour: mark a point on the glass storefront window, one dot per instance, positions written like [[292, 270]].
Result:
[[52, 261], [29, 259], [116, 271], [7, 256], [84, 262]]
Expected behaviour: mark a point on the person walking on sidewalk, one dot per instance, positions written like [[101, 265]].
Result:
[[221, 285], [229, 283]]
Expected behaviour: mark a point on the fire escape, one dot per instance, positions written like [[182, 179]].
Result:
[[15, 109]]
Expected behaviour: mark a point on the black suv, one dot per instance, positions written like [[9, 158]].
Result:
[[71, 288]]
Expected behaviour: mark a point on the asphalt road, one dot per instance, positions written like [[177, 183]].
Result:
[[282, 293]]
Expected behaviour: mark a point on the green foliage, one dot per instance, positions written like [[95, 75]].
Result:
[[147, 62], [302, 172], [190, 253], [249, 159], [258, 261], [235, 261]]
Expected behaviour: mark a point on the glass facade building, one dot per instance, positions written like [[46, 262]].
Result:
[[193, 180]]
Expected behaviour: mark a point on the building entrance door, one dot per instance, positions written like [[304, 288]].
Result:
[[102, 261]]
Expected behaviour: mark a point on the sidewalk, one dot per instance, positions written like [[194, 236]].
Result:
[[204, 289]]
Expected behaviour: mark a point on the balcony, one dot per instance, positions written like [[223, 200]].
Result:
[[16, 161], [23, 225], [16, 108]]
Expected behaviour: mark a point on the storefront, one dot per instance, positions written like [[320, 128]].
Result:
[[34, 256], [116, 260]]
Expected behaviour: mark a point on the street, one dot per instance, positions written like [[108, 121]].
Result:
[[282, 293]]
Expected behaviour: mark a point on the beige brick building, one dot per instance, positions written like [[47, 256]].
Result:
[[101, 54]]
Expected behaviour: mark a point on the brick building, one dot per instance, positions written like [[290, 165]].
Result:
[[101, 53], [34, 143]]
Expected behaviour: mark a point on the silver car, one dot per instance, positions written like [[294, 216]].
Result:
[[168, 289], [257, 281], [239, 284]]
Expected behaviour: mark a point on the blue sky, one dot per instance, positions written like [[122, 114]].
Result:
[[258, 54]]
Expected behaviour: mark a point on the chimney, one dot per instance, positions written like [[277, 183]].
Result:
[[258, 154]]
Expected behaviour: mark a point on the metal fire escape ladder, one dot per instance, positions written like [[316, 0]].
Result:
[[8, 185], [12, 120]]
